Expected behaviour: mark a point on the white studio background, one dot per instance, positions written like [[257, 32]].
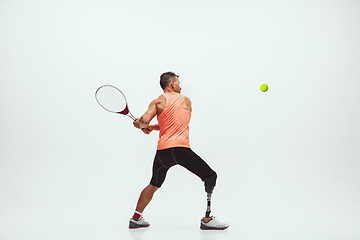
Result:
[[287, 159]]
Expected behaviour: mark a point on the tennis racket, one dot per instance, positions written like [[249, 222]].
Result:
[[113, 100]]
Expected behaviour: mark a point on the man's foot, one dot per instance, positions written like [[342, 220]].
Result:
[[140, 223], [212, 223]]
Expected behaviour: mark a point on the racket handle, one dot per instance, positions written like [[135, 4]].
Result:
[[131, 116]]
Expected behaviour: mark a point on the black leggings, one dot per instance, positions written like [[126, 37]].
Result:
[[165, 159]]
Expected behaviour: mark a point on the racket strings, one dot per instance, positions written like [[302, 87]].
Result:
[[112, 99]]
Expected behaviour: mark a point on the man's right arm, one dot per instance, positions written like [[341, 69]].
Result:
[[143, 122], [146, 118]]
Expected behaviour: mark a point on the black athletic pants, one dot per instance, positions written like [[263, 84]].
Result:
[[165, 159]]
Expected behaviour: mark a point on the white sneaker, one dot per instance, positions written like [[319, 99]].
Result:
[[141, 223], [213, 224]]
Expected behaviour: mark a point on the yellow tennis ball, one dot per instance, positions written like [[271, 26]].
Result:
[[264, 87]]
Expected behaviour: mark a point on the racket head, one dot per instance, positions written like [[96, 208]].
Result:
[[113, 100]]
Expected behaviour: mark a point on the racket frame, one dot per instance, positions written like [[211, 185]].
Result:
[[125, 111]]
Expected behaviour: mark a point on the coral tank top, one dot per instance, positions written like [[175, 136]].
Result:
[[174, 123]]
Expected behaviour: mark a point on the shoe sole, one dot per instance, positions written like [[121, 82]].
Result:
[[133, 225], [137, 227], [203, 227]]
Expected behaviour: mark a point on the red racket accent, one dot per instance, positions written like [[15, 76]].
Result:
[[125, 111]]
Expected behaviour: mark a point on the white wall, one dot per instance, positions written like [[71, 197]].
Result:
[[288, 157]]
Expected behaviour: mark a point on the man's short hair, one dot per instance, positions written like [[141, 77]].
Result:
[[166, 78]]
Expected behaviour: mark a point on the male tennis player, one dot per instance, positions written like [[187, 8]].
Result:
[[173, 112]]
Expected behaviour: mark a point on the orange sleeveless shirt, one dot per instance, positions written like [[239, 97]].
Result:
[[174, 123]]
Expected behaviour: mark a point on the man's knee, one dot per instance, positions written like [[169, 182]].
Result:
[[210, 182]]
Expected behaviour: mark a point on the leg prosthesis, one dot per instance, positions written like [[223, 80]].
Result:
[[210, 182]]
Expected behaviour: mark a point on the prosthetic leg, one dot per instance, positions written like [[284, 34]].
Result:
[[208, 209], [210, 222], [209, 183]]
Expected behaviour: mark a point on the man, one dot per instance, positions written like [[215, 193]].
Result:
[[173, 112]]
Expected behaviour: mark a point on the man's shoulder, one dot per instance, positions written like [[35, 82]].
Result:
[[159, 100], [181, 95], [162, 98]]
